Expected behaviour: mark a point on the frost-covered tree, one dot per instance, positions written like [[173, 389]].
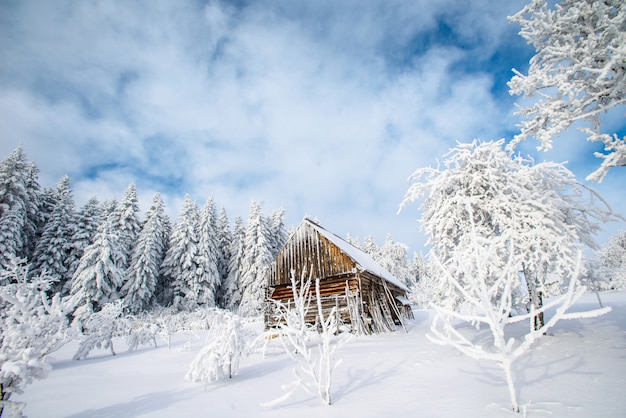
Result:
[[257, 257], [142, 274], [423, 286], [277, 231], [31, 327], [180, 270], [232, 287], [486, 285], [315, 366], [577, 74], [538, 213], [53, 249], [393, 256], [611, 266], [219, 358], [87, 222], [369, 246], [19, 206], [224, 244], [100, 328], [208, 281], [100, 273], [127, 225]]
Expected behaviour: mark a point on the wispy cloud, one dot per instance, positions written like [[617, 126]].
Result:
[[322, 107]]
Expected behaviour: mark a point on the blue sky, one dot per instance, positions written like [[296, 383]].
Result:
[[322, 107]]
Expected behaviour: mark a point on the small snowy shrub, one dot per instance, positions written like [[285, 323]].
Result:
[[100, 328], [225, 347], [31, 327]]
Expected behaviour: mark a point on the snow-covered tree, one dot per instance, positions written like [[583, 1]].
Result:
[[257, 258], [31, 327], [208, 281], [538, 215], [486, 285], [127, 226], [393, 256], [577, 74], [87, 222], [219, 358], [180, 270], [147, 256], [277, 231], [100, 328], [369, 246], [611, 266], [232, 287], [224, 244], [53, 249], [315, 367], [423, 286], [19, 205], [100, 273]]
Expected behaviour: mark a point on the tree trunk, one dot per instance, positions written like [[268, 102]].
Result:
[[535, 297]]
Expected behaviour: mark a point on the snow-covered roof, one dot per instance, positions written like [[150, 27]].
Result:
[[363, 260]]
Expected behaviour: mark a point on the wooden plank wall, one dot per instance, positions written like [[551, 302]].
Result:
[[306, 250]]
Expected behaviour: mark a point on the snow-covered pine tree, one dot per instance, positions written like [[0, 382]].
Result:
[[612, 262], [88, 221], [370, 247], [393, 256], [208, 281], [277, 231], [53, 249], [256, 259], [19, 206], [142, 274], [100, 273], [224, 243], [577, 73], [128, 226], [180, 269], [232, 287], [11, 235]]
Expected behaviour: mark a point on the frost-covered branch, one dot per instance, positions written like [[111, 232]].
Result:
[[577, 74], [315, 367]]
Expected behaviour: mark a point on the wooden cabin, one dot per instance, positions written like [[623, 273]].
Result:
[[368, 298]]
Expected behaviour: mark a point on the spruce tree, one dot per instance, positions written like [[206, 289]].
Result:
[[51, 255], [232, 285], [18, 206], [277, 231], [180, 267], [256, 260], [99, 275], [224, 242], [143, 272], [206, 287], [88, 221], [127, 224]]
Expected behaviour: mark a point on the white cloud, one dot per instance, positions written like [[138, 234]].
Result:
[[322, 107]]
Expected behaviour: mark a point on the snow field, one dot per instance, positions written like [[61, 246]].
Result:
[[576, 371]]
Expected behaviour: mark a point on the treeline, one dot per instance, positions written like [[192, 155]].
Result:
[[103, 252]]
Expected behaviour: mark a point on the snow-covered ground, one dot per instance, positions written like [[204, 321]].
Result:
[[578, 370]]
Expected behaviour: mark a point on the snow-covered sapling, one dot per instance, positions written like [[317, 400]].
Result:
[[100, 328], [220, 357], [31, 327], [315, 367]]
